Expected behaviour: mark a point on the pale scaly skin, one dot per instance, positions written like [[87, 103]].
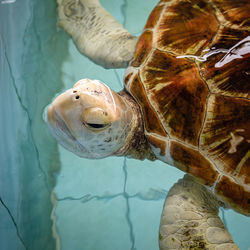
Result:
[[96, 33], [91, 120], [190, 219]]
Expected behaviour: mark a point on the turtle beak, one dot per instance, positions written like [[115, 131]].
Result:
[[60, 130], [55, 110], [51, 115], [56, 122], [59, 109]]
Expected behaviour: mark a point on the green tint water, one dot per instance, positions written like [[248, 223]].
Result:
[[50, 198]]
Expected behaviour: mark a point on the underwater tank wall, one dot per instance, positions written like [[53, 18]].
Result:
[[50, 198], [30, 74]]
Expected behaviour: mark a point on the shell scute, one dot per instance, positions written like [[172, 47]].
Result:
[[154, 17], [226, 135], [151, 121], [227, 66], [143, 48], [193, 74], [235, 12], [175, 89], [158, 143], [193, 162], [236, 195], [186, 27]]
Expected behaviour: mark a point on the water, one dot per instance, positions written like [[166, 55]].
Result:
[[50, 198]]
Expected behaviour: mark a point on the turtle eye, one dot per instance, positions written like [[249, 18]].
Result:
[[96, 126], [96, 119]]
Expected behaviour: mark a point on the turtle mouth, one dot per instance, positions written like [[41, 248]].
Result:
[[56, 123], [59, 129], [61, 124]]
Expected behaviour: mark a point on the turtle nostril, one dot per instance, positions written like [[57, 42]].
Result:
[[77, 97]]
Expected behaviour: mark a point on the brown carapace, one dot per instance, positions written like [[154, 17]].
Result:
[[191, 77]]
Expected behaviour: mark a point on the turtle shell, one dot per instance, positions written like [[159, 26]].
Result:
[[191, 77]]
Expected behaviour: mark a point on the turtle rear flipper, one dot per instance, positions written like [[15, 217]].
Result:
[[96, 33], [190, 219]]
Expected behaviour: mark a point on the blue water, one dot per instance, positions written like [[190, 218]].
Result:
[[50, 198]]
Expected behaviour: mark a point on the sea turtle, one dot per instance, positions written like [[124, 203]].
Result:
[[186, 102]]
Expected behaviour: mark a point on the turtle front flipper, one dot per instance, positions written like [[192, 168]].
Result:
[[190, 219], [96, 33]]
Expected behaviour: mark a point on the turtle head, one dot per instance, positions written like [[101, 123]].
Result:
[[91, 120]]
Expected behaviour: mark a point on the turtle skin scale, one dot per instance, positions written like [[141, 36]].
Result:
[[191, 77]]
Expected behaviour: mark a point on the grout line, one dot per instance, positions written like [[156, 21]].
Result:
[[88, 197], [13, 221], [126, 196], [123, 11], [53, 217], [26, 111]]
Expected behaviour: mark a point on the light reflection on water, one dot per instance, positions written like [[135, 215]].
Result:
[[236, 52]]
